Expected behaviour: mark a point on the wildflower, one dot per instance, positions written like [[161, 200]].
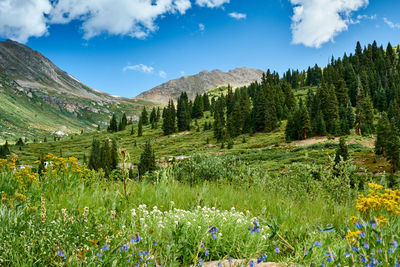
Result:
[[256, 228], [394, 243], [214, 236], [366, 246], [213, 230], [363, 259], [99, 254], [355, 248], [353, 219], [61, 254], [277, 250], [106, 247], [136, 239], [379, 239], [358, 225], [329, 259], [251, 263], [154, 243], [230, 261], [390, 250], [206, 253], [318, 244], [347, 254], [362, 235], [262, 258], [201, 262]]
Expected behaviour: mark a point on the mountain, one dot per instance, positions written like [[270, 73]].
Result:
[[37, 97], [200, 83]]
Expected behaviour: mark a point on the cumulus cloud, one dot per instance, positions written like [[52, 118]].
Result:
[[162, 74], [202, 27], [391, 24], [140, 67], [211, 3], [316, 22], [21, 19], [238, 16], [135, 18]]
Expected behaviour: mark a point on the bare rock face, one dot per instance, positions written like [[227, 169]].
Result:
[[201, 83]]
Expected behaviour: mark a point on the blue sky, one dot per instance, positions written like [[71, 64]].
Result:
[[124, 47]]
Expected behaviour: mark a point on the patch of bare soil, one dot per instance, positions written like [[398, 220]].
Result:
[[236, 263]]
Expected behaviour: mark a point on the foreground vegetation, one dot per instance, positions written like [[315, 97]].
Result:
[[69, 215]]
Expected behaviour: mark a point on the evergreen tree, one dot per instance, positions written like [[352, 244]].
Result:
[[144, 116], [113, 127], [206, 102], [140, 127], [20, 142], [132, 130], [114, 155], [95, 156], [169, 121], [183, 113], [147, 160], [123, 123], [198, 107], [393, 150], [382, 137], [4, 151], [105, 157], [153, 116], [158, 114]]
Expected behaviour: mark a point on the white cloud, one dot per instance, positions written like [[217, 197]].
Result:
[[211, 3], [182, 73], [162, 74], [135, 18], [202, 27], [139, 67], [316, 22], [236, 15], [391, 24], [21, 19]]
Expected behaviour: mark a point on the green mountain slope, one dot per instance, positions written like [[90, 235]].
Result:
[[36, 97]]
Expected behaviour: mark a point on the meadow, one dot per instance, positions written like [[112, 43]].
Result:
[[225, 209]]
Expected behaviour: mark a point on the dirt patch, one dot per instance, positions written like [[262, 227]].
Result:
[[236, 263], [180, 134], [367, 141]]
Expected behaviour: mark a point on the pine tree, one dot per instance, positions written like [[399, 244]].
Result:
[[140, 127], [169, 118], [198, 107], [393, 150], [158, 115], [105, 157], [183, 113], [132, 131], [144, 116], [4, 151], [114, 155], [153, 116], [95, 156], [20, 142], [206, 102], [382, 137], [147, 160], [113, 127], [305, 123]]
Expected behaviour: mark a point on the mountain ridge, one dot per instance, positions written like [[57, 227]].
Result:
[[200, 83]]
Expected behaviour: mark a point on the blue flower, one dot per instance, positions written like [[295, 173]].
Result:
[[154, 243], [202, 244], [347, 254], [358, 225], [366, 246], [214, 236], [128, 260], [277, 250], [201, 262], [329, 259], [318, 244], [390, 250], [106, 247], [99, 254], [251, 263], [230, 261], [61, 254], [262, 258], [355, 248], [256, 228], [213, 230], [380, 250], [137, 238], [206, 253], [394, 243], [363, 259], [362, 235], [379, 240]]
